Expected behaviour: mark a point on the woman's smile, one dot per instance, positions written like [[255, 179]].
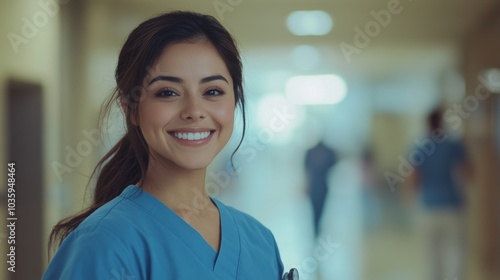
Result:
[[192, 137]]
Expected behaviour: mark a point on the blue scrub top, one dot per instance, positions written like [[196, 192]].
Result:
[[440, 188], [135, 236]]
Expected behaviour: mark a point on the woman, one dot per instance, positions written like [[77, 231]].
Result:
[[179, 79]]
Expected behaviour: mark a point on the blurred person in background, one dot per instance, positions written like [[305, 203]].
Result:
[[439, 178], [318, 162]]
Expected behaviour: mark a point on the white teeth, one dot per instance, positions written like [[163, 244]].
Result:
[[191, 135]]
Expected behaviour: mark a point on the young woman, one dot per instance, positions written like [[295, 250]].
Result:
[[179, 79]]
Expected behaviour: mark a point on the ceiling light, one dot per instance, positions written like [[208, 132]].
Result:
[[309, 23], [316, 89]]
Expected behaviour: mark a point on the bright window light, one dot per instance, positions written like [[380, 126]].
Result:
[[316, 90], [309, 23]]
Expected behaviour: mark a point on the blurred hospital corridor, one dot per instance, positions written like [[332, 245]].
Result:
[[345, 157]]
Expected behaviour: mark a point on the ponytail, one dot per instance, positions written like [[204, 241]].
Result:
[[123, 165]]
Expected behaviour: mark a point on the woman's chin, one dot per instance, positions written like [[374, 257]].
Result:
[[195, 164]]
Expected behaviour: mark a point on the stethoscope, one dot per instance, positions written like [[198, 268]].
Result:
[[293, 274]]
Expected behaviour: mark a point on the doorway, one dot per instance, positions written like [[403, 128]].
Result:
[[24, 143]]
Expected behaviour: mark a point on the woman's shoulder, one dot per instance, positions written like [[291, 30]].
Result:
[[110, 215], [108, 230], [118, 219], [98, 247]]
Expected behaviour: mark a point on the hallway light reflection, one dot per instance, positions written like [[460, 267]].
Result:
[[278, 117], [316, 89]]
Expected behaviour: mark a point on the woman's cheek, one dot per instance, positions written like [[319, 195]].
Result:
[[225, 114], [158, 114]]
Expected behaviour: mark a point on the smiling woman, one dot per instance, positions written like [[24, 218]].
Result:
[[196, 98], [189, 73]]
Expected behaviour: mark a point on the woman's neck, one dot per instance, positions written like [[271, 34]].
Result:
[[181, 190]]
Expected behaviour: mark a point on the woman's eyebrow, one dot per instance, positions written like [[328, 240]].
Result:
[[213, 78], [181, 81], [167, 78]]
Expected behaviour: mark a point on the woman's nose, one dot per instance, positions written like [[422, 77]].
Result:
[[192, 109]]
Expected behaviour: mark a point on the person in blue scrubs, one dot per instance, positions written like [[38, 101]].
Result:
[[179, 80], [441, 178]]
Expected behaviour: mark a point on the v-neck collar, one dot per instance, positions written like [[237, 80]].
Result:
[[224, 263]]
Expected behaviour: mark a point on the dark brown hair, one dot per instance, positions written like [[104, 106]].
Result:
[[435, 119], [127, 162]]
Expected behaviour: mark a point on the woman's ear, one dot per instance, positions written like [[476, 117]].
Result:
[[127, 112]]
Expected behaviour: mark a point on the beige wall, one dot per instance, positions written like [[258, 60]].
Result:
[[36, 61], [90, 57], [73, 90]]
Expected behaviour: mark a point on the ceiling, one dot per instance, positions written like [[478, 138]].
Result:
[[262, 23], [424, 31]]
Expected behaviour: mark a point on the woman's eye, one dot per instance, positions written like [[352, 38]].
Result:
[[214, 92], [166, 93]]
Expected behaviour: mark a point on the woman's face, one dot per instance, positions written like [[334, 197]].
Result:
[[186, 112]]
